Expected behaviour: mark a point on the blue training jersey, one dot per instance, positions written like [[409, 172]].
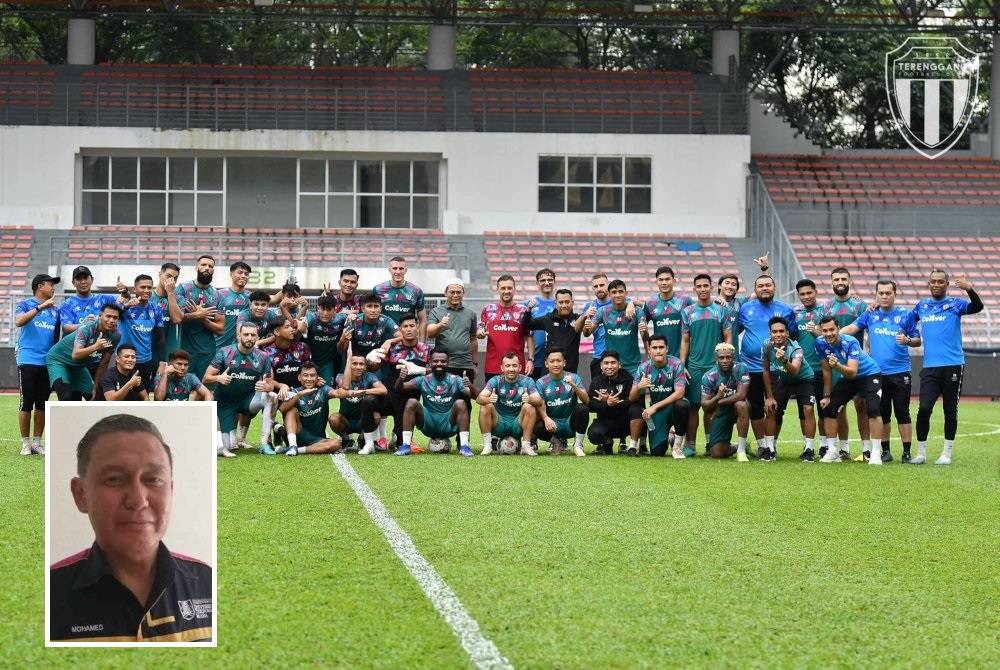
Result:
[[137, 325], [846, 350], [941, 330], [75, 309], [753, 317], [36, 337], [542, 307], [599, 331], [882, 327]]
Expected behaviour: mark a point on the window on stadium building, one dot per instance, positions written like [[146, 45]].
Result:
[[368, 194], [595, 184], [153, 190]]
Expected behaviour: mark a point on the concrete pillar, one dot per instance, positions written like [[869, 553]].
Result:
[[80, 42], [725, 44], [441, 47], [995, 101]]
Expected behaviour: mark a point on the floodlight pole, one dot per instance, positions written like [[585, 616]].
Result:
[[80, 40]]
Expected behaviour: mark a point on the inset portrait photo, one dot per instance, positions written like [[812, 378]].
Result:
[[130, 524]]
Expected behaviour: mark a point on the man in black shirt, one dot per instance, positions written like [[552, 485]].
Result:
[[609, 399], [562, 329], [128, 586], [123, 381]]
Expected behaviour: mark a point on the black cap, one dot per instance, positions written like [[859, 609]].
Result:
[[82, 271], [41, 279]]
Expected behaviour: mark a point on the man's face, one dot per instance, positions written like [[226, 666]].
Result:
[[725, 361], [143, 289], [728, 288], [555, 363], [600, 287], [173, 274], [248, 338], [126, 360], [285, 331], [239, 277], [664, 282], [779, 335], [372, 310], [829, 331], [357, 367], [348, 285], [205, 270], [109, 320], [455, 294], [841, 282], [807, 296], [938, 285], [180, 367], [308, 377], [610, 367], [703, 289], [618, 297], [658, 351], [511, 368], [82, 284], [258, 308], [397, 270], [408, 330], [546, 284], [439, 363], [127, 491], [564, 304], [505, 290], [764, 288], [46, 290], [885, 296], [326, 314]]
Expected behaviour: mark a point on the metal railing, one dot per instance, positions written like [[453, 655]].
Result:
[[764, 227], [414, 108]]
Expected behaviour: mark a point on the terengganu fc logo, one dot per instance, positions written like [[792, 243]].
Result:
[[931, 83]]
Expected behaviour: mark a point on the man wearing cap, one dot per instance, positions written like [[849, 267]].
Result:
[[452, 326], [84, 306], [38, 319]]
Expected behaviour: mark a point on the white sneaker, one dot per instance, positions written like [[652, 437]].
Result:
[[26, 450], [741, 457], [943, 459], [831, 456], [367, 450], [526, 450], [678, 452], [40, 450], [578, 450], [225, 453], [244, 444], [487, 450], [875, 458], [291, 451]]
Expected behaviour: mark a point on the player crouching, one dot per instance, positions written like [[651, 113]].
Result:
[[445, 409], [362, 402], [307, 414], [563, 412], [724, 390], [509, 409]]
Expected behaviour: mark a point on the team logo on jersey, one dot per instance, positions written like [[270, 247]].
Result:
[[187, 611], [931, 83]]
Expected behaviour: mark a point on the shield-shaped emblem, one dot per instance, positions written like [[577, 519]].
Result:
[[186, 610], [931, 83]]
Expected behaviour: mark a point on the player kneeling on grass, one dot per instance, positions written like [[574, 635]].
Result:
[[445, 412], [724, 390], [664, 379], [307, 414], [243, 373], [176, 383], [859, 376], [510, 405], [784, 358], [361, 397], [563, 412]]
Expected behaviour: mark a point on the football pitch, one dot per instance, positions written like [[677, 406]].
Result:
[[600, 562]]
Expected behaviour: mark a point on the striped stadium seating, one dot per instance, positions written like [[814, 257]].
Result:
[[15, 260]]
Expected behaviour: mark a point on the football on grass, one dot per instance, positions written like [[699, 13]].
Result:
[[438, 446]]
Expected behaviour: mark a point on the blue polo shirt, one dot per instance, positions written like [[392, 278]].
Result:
[[38, 335], [941, 330], [753, 317], [882, 327], [75, 309]]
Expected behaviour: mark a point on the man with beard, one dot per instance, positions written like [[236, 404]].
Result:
[[510, 405], [231, 303], [664, 379], [621, 333], [165, 297], [408, 351], [176, 383], [452, 326], [69, 361], [361, 397], [142, 327], [307, 414], [198, 299], [445, 410], [663, 310], [704, 324], [754, 317], [724, 391], [243, 373], [541, 304], [787, 374], [122, 381], [400, 297], [940, 318], [287, 356], [562, 330], [563, 413], [609, 393], [506, 326]]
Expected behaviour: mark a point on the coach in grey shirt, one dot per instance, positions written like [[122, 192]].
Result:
[[452, 326]]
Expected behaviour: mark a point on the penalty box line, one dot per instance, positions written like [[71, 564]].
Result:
[[481, 650]]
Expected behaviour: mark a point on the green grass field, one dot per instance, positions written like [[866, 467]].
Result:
[[602, 562]]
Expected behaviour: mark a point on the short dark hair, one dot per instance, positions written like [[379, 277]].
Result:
[[886, 281], [113, 305], [616, 283], [170, 266], [248, 324], [409, 316], [260, 296], [510, 354], [126, 345], [208, 256], [397, 259], [939, 271], [179, 354], [505, 277], [555, 350], [545, 271], [116, 423], [371, 299], [827, 318], [326, 301], [840, 269], [439, 352], [290, 289], [240, 265], [777, 319], [803, 283], [598, 275], [308, 365], [349, 271], [702, 275], [611, 353], [140, 278], [664, 268], [564, 291], [730, 275], [763, 276], [659, 337]]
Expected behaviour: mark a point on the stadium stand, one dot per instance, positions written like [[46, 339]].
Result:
[[576, 256], [15, 260], [907, 261]]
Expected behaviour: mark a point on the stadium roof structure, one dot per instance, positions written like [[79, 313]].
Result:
[[938, 16]]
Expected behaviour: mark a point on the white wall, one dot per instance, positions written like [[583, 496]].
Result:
[[771, 134], [491, 178]]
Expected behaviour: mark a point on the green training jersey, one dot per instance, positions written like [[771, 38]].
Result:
[[350, 408], [230, 304], [665, 318], [560, 398], [314, 409], [621, 335], [793, 352], [705, 327], [195, 337], [244, 369]]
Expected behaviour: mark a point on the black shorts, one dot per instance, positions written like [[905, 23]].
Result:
[[756, 396], [870, 388], [33, 381], [146, 372], [817, 387], [944, 381], [896, 397], [801, 390]]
